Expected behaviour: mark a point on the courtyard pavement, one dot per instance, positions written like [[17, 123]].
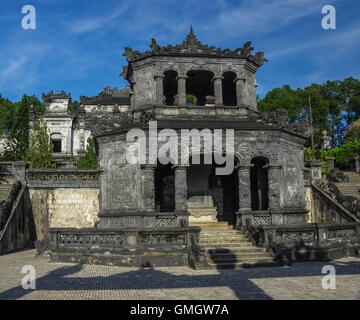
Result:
[[59, 281]]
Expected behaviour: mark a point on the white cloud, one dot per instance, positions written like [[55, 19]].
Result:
[[97, 22]]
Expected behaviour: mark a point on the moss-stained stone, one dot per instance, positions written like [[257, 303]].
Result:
[[64, 208]]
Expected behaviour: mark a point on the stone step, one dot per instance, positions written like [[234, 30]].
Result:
[[227, 245], [214, 228], [236, 255], [221, 234], [224, 241], [243, 264], [234, 250], [234, 260], [217, 232]]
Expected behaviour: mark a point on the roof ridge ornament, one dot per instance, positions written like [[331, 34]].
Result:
[[57, 95], [191, 45], [108, 92]]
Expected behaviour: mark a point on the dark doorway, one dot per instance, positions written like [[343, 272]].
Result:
[[199, 84], [170, 87], [57, 145], [229, 89], [164, 188], [259, 184]]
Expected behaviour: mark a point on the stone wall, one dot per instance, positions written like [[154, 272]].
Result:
[[17, 230], [63, 198], [64, 208]]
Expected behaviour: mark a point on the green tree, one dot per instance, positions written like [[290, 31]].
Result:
[[350, 91], [90, 160], [6, 114], [17, 143], [353, 131], [283, 98], [332, 94], [73, 106], [41, 147]]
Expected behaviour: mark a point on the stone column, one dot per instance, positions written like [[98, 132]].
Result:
[[240, 92], [244, 188], [159, 80], [182, 90], [148, 183], [19, 171], [82, 142], [315, 170], [180, 188], [274, 175], [357, 164], [245, 211], [218, 91]]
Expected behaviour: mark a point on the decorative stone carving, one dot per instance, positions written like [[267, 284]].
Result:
[[148, 194], [57, 95], [165, 222], [161, 238], [259, 220], [192, 45], [88, 240], [244, 188], [291, 236], [274, 187], [279, 119], [100, 122], [180, 188]]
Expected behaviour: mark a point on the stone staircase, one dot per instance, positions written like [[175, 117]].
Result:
[[351, 188], [226, 248], [4, 191]]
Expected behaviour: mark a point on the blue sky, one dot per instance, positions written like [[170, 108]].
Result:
[[78, 45]]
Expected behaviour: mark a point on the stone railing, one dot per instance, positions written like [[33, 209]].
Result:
[[63, 178], [350, 203], [306, 242], [6, 168], [171, 246], [12, 171], [355, 164]]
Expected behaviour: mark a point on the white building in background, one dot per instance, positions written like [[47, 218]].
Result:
[[69, 130]]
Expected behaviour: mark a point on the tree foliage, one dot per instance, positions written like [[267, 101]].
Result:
[[335, 106], [90, 160], [41, 147]]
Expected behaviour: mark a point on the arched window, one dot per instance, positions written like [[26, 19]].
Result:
[[56, 140], [199, 84], [170, 87], [229, 88], [259, 184]]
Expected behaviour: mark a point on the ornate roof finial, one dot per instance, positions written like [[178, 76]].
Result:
[[191, 45]]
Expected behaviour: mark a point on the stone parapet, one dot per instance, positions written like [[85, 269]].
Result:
[[63, 178]]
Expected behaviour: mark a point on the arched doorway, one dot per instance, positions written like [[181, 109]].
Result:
[[211, 197], [199, 84], [229, 88], [164, 188], [170, 87], [259, 184]]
